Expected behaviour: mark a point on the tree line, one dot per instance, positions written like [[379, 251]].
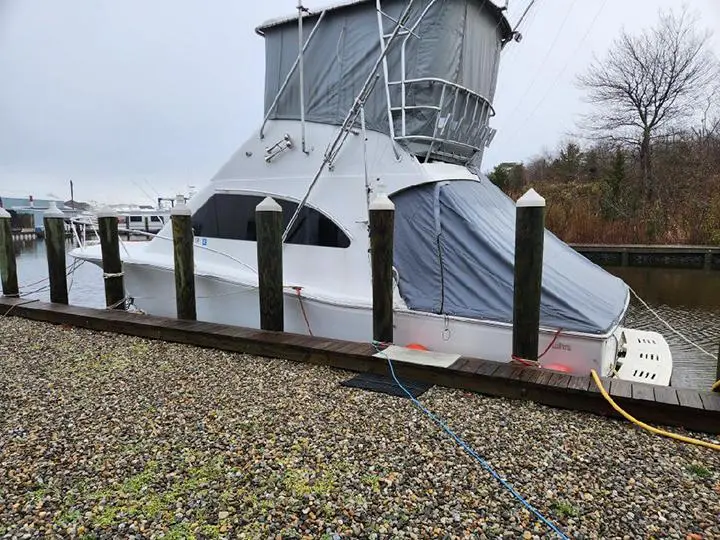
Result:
[[647, 168]]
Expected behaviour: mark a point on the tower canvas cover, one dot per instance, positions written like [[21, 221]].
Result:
[[458, 41]]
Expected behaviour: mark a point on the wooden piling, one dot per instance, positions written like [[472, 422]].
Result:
[[54, 224], [382, 224], [529, 240], [625, 258], [184, 262], [269, 224], [111, 263], [8, 267]]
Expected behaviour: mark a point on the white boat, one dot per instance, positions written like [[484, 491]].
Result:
[[130, 220], [150, 220], [401, 108]]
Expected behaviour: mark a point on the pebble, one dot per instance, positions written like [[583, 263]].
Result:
[[106, 436]]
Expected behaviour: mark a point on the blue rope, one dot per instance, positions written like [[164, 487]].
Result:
[[470, 451]]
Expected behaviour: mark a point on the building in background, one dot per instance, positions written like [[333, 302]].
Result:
[[26, 213]]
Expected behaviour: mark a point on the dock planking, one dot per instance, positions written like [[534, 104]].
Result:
[[691, 409]]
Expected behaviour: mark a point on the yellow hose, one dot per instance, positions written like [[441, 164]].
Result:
[[643, 424], [716, 387]]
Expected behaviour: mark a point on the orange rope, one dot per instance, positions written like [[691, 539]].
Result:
[[302, 308], [527, 362]]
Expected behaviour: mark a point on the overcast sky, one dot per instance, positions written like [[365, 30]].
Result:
[[131, 98]]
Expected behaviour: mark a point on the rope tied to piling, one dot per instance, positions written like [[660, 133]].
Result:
[[113, 275], [119, 302], [536, 363]]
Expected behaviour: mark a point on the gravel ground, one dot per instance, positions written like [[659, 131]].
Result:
[[105, 436]]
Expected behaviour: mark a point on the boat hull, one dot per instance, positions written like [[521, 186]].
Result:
[[152, 289]]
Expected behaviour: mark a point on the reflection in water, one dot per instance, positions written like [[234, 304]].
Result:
[[85, 284], [688, 299], [674, 287]]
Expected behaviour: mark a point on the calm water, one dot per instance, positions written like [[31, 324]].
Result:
[[688, 299]]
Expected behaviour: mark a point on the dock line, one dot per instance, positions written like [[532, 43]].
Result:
[[468, 449], [527, 362], [643, 425], [659, 318], [13, 306]]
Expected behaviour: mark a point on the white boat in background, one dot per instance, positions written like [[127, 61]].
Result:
[[404, 113], [131, 220], [150, 220]]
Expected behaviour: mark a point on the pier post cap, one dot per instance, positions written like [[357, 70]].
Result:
[[180, 208], [106, 212], [381, 202], [53, 211], [4, 214], [268, 204], [530, 199]]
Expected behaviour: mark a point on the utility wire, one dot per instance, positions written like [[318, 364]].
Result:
[[541, 64], [523, 15], [557, 77]]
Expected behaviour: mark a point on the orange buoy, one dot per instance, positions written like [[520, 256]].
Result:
[[416, 346]]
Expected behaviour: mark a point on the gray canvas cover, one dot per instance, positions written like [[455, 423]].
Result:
[[457, 41], [454, 252]]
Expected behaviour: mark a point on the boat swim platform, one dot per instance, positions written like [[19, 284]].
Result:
[[680, 407]]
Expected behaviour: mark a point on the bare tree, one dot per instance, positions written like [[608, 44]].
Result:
[[648, 84], [710, 120]]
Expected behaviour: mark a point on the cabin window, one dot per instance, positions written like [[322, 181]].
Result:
[[232, 217], [155, 219], [135, 219]]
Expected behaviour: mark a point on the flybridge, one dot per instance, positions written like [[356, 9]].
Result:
[[432, 90]]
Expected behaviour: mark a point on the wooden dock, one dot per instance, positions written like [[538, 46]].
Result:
[[691, 409], [652, 256]]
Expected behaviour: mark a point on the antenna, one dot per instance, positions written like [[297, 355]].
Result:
[[301, 70], [515, 32]]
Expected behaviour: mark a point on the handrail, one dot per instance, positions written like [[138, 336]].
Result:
[[429, 138], [448, 83], [465, 125], [385, 74]]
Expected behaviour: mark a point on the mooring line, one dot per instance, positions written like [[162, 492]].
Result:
[[659, 318]]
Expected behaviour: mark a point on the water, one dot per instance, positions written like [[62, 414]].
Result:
[[85, 285], [688, 299]]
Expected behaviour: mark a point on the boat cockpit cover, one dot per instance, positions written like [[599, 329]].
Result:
[[454, 253]]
